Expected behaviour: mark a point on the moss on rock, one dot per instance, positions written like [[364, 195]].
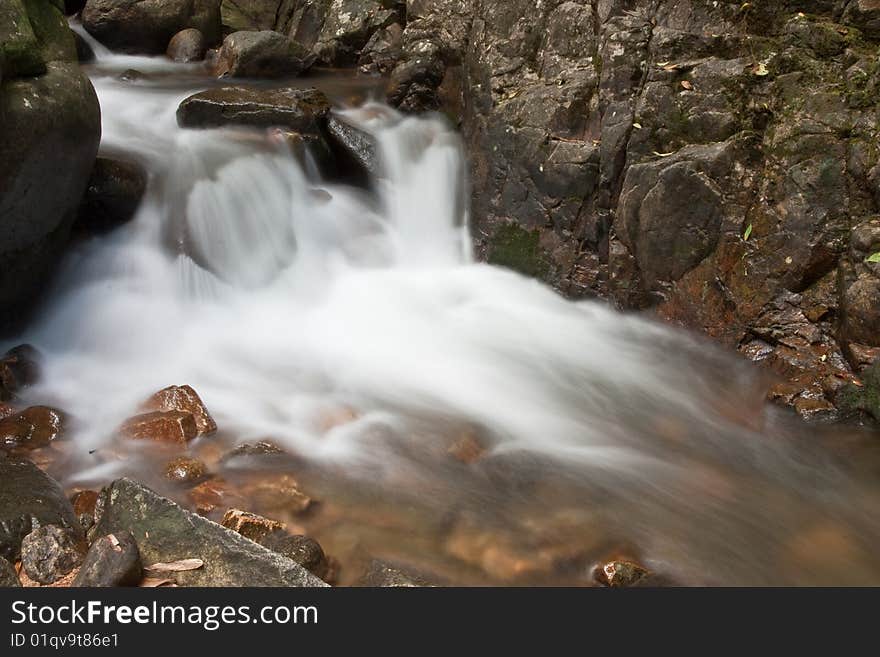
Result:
[[519, 249]]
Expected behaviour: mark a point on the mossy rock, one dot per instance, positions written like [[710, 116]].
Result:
[[519, 249], [865, 398], [18, 42], [55, 38]]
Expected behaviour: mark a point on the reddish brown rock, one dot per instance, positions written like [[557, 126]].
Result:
[[84, 502], [165, 427], [185, 470], [211, 494], [184, 400], [467, 448], [619, 573], [250, 525], [34, 427], [281, 492]]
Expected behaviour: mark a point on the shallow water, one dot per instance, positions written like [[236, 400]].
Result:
[[352, 327]]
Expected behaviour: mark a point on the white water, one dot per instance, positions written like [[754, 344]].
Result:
[[311, 298]]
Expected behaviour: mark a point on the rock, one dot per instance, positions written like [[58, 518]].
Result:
[[387, 575], [72, 7], [278, 493], [186, 471], [113, 195], [29, 499], [84, 52], [164, 532], [302, 110], [172, 427], [50, 552], [467, 449], [84, 503], [619, 574], [187, 46], [305, 551], [147, 27], [382, 52], [8, 576], [250, 525], [250, 451], [264, 54], [112, 560], [348, 27], [212, 494], [249, 15], [865, 15], [354, 144], [19, 369], [131, 75], [414, 84], [862, 396], [185, 400], [34, 427]]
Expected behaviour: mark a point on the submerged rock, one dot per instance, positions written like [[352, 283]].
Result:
[[8, 576], [354, 144], [165, 532], [172, 427], [305, 551], [187, 46], [619, 574], [263, 54], [186, 471], [385, 574], [250, 525], [113, 195], [112, 560], [34, 427], [29, 498], [185, 400], [49, 553]]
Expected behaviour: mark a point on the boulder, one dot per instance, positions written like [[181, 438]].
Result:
[[51, 552], [8, 576], [187, 46], [348, 27], [34, 427], [249, 15], [185, 400], [170, 427], [864, 15], [186, 471], [29, 498], [113, 195], [112, 560], [250, 525], [353, 144], [305, 551], [264, 54], [165, 532], [302, 110], [146, 26]]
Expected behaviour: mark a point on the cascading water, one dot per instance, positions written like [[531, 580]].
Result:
[[289, 302]]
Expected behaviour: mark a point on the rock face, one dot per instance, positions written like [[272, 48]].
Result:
[[29, 499], [164, 532], [112, 560], [264, 54], [48, 140], [146, 26]]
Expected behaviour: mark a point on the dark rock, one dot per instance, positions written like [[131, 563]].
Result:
[[165, 532], [84, 52], [171, 427], [187, 46], [348, 26], [302, 110], [865, 15], [250, 525], [186, 471], [19, 369], [305, 551], [8, 576], [185, 400], [414, 84], [147, 27], [84, 503], [113, 195], [619, 574], [355, 144], [72, 7], [382, 52], [29, 499], [112, 560], [265, 54], [132, 75], [249, 15], [385, 574], [34, 427], [862, 396], [50, 552]]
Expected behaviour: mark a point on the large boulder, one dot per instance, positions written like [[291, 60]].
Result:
[[187, 46], [49, 136], [146, 26], [165, 533], [113, 195], [264, 54]]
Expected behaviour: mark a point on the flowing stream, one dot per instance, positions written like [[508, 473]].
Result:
[[353, 327]]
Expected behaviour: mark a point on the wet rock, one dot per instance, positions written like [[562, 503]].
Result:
[[6, 410], [186, 471], [255, 450], [50, 552], [382, 52], [305, 551], [165, 532], [132, 75], [865, 15], [172, 427], [302, 110], [29, 499], [34, 427], [147, 27], [354, 144], [185, 400], [212, 494], [265, 54], [84, 52], [187, 46], [467, 449], [249, 15], [113, 195], [250, 525], [19, 369], [112, 560], [278, 493], [8, 576], [619, 574], [862, 395], [84, 502], [387, 575]]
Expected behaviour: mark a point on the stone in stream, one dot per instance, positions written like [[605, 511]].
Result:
[[264, 54], [263, 448], [354, 144], [29, 498], [185, 400], [187, 46], [112, 560], [84, 503], [165, 532], [8, 576], [113, 195], [388, 575], [173, 427], [34, 427], [84, 51], [19, 369], [50, 552], [302, 110], [250, 525], [185, 471], [619, 573], [306, 551]]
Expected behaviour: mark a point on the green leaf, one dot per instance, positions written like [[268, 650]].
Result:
[[748, 233], [874, 257]]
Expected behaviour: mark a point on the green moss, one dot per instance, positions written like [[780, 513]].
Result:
[[516, 248], [21, 50], [865, 398], [52, 32]]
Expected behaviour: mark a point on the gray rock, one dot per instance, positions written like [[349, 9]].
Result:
[[29, 499], [49, 553], [355, 143], [305, 551], [113, 195], [265, 54], [165, 532], [8, 576], [112, 560], [388, 575], [187, 46]]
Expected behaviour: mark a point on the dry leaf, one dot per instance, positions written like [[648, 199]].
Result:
[[155, 582], [663, 154], [176, 566], [637, 126], [687, 85]]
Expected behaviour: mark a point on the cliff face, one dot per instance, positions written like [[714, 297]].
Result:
[[714, 161]]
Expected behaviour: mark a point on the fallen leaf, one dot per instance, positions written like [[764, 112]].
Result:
[[637, 126], [687, 85], [663, 154], [748, 233], [176, 566], [874, 257], [155, 582]]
